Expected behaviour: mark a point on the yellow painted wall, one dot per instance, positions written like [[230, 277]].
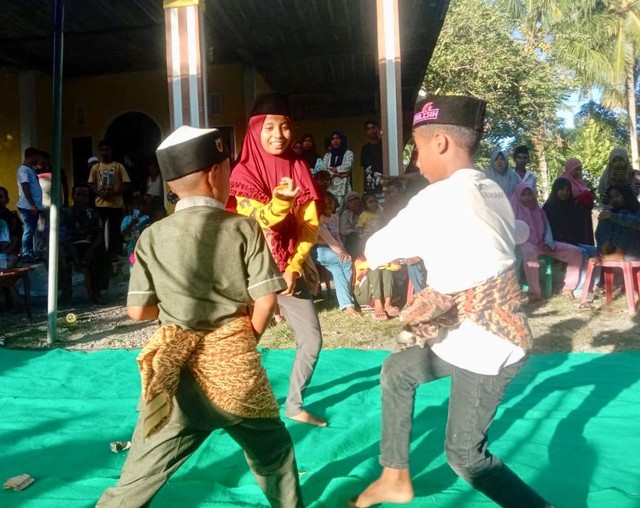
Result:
[[228, 82], [10, 148]]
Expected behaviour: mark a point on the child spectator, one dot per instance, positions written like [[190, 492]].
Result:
[[155, 185], [322, 179], [375, 287], [133, 224], [394, 199], [370, 220], [330, 253], [541, 242], [349, 224], [214, 297], [83, 246], [339, 161], [616, 241], [13, 233]]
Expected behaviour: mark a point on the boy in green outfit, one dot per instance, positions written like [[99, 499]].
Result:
[[209, 278]]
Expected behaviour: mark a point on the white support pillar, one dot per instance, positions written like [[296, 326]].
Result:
[[186, 70], [389, 66]]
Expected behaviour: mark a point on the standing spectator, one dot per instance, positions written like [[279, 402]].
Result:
[[330, 253], [371, 160], [30, 202], [521, 160], [618, 172], [155, 186], [499, 171], [108, 180], [274, 187], [310, 155], [349, 224], [339, 162]]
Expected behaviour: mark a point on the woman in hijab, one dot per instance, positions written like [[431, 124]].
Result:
[[310, 155], [618, 172], [339, 161], [616, 241], [541, 242], [271, 184], [583, 199], [499, 171]]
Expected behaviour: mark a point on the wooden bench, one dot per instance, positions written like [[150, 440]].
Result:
[[10, 276]]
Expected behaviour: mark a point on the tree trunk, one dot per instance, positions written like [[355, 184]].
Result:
[[543, 181], [631, 105]]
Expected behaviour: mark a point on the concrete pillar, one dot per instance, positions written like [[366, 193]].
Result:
[[389, 67], [186, 70]]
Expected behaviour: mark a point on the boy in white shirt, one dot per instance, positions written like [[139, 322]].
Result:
[[487, 346]]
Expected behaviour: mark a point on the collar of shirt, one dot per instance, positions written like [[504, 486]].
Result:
[[192, 201]]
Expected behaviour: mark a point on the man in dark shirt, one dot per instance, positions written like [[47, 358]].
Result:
[[371, 160]]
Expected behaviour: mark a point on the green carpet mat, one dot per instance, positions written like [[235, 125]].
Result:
[[569, 425]]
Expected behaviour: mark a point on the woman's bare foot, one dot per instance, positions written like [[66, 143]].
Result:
[[305, 417], [393, 486], [352, 311]]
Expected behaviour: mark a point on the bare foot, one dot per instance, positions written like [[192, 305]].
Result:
[[305, 417], [534, 297], [352, 312], [393, 486], [392, 311]]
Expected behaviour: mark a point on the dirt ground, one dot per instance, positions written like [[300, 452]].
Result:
[[558, 325]]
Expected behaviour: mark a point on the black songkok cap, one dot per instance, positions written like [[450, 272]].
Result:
[[451, 110], [189, 150], [271, 103]]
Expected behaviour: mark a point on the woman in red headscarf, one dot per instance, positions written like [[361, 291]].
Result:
[[274, 186]]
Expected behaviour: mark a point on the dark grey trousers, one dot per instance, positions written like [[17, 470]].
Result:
[[266, 443], [473, 403], [302, 319]]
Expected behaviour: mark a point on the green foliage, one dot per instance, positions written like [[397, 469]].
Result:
[[477, 55], [591, 143]]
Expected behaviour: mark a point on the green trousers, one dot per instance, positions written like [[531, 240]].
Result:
[[266, 443]]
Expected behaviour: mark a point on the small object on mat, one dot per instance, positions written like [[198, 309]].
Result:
[[71, 318], [119, 446], [19, 482]]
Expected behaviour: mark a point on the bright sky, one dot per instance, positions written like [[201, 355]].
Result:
[[573, 104]]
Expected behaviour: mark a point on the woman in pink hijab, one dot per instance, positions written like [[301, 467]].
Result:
[[541, 242], [584, 198]]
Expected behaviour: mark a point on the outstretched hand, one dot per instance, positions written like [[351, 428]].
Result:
[[285, 189]]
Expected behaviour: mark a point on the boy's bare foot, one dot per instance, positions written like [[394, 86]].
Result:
[[352, 311], [305, 417], [393, 486]]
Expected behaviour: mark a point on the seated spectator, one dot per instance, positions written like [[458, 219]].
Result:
[[394, 199], [375, 288], [310, 155], [583, 198], [617, 173], [565, 218], [155, 213], [83, 246], [413, 179], [330, 253], [134, 223], [349, 224], [370, 219], [499, 171], [541, 242], [12, 237], [339, 162], [322, 179], [615, 240]]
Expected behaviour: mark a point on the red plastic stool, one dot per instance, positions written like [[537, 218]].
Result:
[[630, 285]]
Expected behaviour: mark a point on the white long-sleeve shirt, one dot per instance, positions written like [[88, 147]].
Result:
[[463, 229]]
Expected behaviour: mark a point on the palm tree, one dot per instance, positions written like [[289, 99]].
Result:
[[599, 40]]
